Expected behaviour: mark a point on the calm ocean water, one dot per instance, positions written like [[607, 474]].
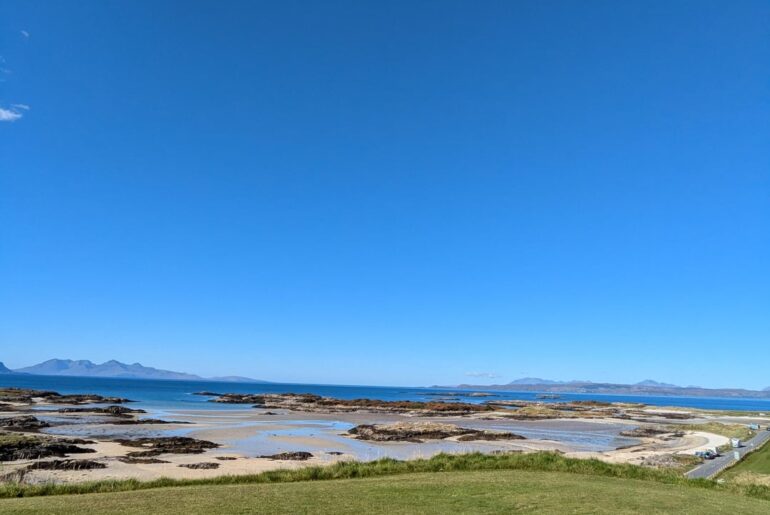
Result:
[[167, 395]]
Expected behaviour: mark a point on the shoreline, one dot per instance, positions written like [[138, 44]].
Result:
[[242, 436]]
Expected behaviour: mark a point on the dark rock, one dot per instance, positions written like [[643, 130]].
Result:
[[225, 458], [27, 447], [335, 453], [29, 396], [420, 431], [23, 423], [24, 395], [315, 403], [113, 411], [86, 399], [646, 432], [489, 436], [239, 398], [145, 421], [67, 465], [294, 456], [166, 445], [203, 466], [142, 461]]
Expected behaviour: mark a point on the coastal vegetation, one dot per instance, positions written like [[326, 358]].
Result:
[[471, 492], [754, 468], [533, 462], [442, 484]]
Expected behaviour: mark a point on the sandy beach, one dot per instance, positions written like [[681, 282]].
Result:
[[119, 442]]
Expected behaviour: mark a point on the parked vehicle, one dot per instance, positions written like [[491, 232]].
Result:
[[707, 455]]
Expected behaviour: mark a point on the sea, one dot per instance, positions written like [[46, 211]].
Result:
[[164, 395]]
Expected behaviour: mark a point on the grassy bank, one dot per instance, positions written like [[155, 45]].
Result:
[[496, 491], [538, 462], [753, 468]]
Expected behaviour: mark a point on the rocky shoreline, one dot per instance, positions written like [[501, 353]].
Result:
[[418, 432], [312, 403], [119, 443]]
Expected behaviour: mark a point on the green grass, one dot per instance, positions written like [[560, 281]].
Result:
[[757, 462], [542, 461], [495, 491], [474, 462], [718, 428]]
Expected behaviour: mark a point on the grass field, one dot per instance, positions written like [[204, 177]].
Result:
[[494, 491], [755, 464]]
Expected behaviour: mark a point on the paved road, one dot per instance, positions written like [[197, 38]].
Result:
[[711, 468]]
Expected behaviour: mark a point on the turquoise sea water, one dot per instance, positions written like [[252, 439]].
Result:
[[167, 395]]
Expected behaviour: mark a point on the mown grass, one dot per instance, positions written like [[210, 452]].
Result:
[[476, 492], [541, 462]]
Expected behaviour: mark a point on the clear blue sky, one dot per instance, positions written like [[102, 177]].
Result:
[[395, 192]]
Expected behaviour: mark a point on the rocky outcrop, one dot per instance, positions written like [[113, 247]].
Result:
[[86, 399], [166, 445], [201, 466], [650, 432], [139, 421], [289, 456], [27, 447], [23, 423], [113, 411], [140, 461], [420, 431], [29, 396], [66, 465], [315, 403]]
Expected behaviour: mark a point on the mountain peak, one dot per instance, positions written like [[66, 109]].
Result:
[[656, 384], [111, 368], [534, 381]]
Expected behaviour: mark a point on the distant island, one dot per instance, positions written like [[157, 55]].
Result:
[[646, 387], [115, 369]]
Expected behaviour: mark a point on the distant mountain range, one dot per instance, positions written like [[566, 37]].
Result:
[[646, 387], [112, 368]]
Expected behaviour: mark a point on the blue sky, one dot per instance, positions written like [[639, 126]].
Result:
[[404, 193]]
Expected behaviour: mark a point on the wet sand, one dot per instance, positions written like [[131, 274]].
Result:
[[245, 434]]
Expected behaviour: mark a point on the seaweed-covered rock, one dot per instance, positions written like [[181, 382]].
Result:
[[309, 402], [201, 466], [289, 456], [23, 423], [67, 465], [29, 396], [155, 446], [140, 421], [27, 447], [113, 411], [646, 432], [420, 431], [142, 461]]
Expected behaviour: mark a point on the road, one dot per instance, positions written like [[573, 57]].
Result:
[[711, 468]]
